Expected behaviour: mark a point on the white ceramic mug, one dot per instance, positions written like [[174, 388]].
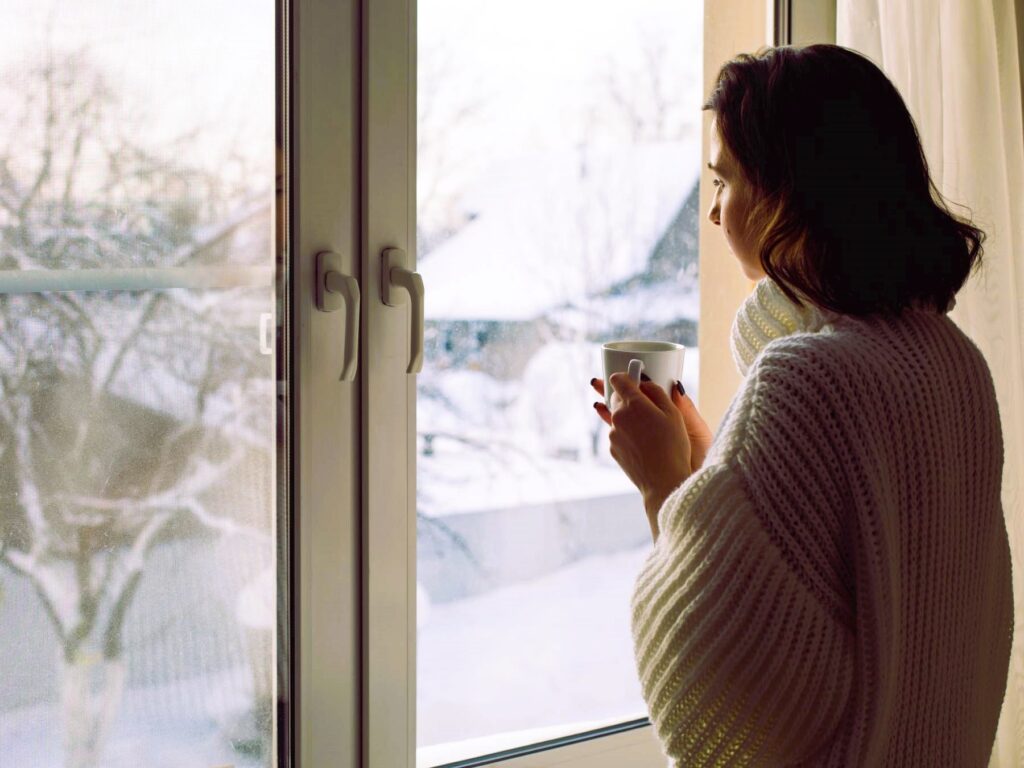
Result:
[[662, 361]]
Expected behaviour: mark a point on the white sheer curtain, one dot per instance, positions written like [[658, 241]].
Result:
[[957, 65]]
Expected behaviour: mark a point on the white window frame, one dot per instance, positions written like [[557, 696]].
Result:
[[322, 663], [810, 21]]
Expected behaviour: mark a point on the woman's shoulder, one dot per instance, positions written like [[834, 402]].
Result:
[[850, 343], [790, 383], [917, 360], [821, 378], [804, 358]]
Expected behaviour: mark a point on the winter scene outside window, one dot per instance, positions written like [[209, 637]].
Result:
[[138, 421], [558, 161]]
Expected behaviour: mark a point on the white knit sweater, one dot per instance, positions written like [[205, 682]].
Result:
[[832, 587]]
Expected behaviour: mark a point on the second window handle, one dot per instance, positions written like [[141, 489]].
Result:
[[395, 275]]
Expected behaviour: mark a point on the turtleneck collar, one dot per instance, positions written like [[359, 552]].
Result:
[[768, 314]]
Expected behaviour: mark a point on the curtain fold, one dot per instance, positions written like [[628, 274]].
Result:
[[958, 66]]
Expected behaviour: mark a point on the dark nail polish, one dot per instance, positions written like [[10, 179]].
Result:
[[593, 381], [679, 388], [644, 377]]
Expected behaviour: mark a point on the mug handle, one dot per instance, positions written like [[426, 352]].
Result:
[[635, 367]]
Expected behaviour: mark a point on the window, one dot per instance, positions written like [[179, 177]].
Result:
[[528, 260], [557, 177], [214, 528], [139, 484]]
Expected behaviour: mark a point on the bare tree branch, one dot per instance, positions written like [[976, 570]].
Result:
[[211, 236]]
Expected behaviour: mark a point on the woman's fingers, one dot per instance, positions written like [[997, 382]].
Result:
[[697, 429], [657, 395], [604, 413], [625, 387], [601, 408]]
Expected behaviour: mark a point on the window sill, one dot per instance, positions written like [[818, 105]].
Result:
[[522, 741]]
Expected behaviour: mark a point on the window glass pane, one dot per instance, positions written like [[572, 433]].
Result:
[[558, 160], [139, 423]]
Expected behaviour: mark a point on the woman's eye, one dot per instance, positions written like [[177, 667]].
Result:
[[718, 182]]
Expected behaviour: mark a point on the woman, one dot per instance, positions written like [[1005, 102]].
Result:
[[830, 579]]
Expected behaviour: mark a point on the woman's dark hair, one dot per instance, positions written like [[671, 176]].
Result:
[[846, 213]]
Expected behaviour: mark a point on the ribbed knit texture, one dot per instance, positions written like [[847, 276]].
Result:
[[833, 586]]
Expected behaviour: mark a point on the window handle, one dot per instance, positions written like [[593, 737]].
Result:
[[395, 275], [332, 290]]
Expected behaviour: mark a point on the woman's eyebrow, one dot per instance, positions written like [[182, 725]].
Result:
[[714, 168]]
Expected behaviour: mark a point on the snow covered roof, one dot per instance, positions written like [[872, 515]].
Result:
[[553, 228], [659, 304]]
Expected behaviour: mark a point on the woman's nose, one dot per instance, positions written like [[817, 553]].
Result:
[[713, 215]]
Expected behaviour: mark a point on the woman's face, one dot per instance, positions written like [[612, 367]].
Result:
[[731, 204]]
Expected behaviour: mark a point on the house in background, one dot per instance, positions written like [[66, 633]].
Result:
[[581, 246]]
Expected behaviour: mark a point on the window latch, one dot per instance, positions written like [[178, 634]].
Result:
[[393, 275], [334, 290]]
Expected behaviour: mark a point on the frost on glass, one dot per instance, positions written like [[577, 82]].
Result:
[[558, 166], [137, 434]]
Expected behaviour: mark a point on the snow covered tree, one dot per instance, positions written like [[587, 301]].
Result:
[[119, 411], [447, 113]]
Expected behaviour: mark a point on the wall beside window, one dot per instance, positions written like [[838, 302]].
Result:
[[729, 28]]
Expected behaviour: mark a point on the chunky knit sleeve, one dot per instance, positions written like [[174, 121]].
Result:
[[741, 660], [738, 662]]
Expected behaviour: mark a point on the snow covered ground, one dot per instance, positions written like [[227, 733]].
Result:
[[553, 651], [193, 736], [542, 656], [191, 660]]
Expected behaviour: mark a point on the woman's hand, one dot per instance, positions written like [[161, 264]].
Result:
[[696, 428], [657, 439]]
